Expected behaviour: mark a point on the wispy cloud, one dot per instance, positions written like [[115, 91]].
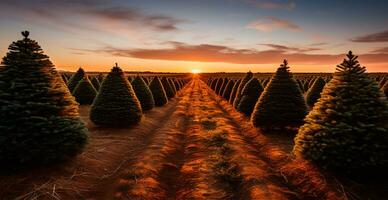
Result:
[[291, 49], [272, 23], [374, 37], [89, 14], [288, 5], [224, 54], [381, 50]]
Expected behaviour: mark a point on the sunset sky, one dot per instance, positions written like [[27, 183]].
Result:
[[206, 35]]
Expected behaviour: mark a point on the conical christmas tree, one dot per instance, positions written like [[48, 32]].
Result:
[[158, 92], [249, 96], [100, 78], [219, 85], [172, 85], [244, 81], [385, 89], [96, 83], [214, 83], [234, 91], [116, 103], [221, 92], [39, 117], [347, 130], [84, 92], [228, 89], [143, 93], [314, 93], [167, 87], [281, 104], [75, 79]]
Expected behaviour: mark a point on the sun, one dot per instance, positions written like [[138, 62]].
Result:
[[195, 71]]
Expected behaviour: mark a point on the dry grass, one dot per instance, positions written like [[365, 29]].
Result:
[[107, 152]]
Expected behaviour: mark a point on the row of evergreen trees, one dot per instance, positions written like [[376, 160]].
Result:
[[347, 127], [40, 123]]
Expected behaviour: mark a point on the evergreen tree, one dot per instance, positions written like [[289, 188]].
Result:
[[314, 93], [84, 92], [100, 78], [347, 130], [143, 93], [249, 95], [116, 103], [39, 117], [244, 81], [177, 85], [75, 79], [281, 104], [221, 92], [96, 83], [228, 90], [385, 89], [219, 85], [214, 83], [158, 92], [167, 87], [172, 85], [234, 91]]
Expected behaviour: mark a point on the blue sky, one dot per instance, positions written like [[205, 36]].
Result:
[[216, 35]]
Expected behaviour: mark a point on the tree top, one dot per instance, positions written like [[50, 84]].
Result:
[[25, 34]]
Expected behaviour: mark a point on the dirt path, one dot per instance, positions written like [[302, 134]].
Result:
[[200, 154]]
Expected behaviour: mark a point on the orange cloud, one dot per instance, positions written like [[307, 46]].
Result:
[[272, 23], [224, 54], [375, 37], [273, 5]]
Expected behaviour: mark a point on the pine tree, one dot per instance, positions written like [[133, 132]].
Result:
[[249, 95], [244, 81], [281, 104], [219, 85], [177, 85], [143, 93], [96, 83], [314, 93], [228, 89], [158, 92], [214, 83], [167, 87], [100, 78], [116, 103], [84, 92], [39, 117], [172, 85], [347, 130], [221, 92], [234, 91], [385, 89], [75, 79]]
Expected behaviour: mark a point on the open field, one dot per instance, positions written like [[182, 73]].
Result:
[[195, 147]]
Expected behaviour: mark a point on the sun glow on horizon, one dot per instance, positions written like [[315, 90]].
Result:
[[195, 71]]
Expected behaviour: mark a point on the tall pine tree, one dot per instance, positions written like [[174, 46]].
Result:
[[281, 104], [75, 79], [347, 130], [84, 92], [39, 117], [314, 93], [158, 92], [143, 93], [241, 86], [116, 103], [249, 96]]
